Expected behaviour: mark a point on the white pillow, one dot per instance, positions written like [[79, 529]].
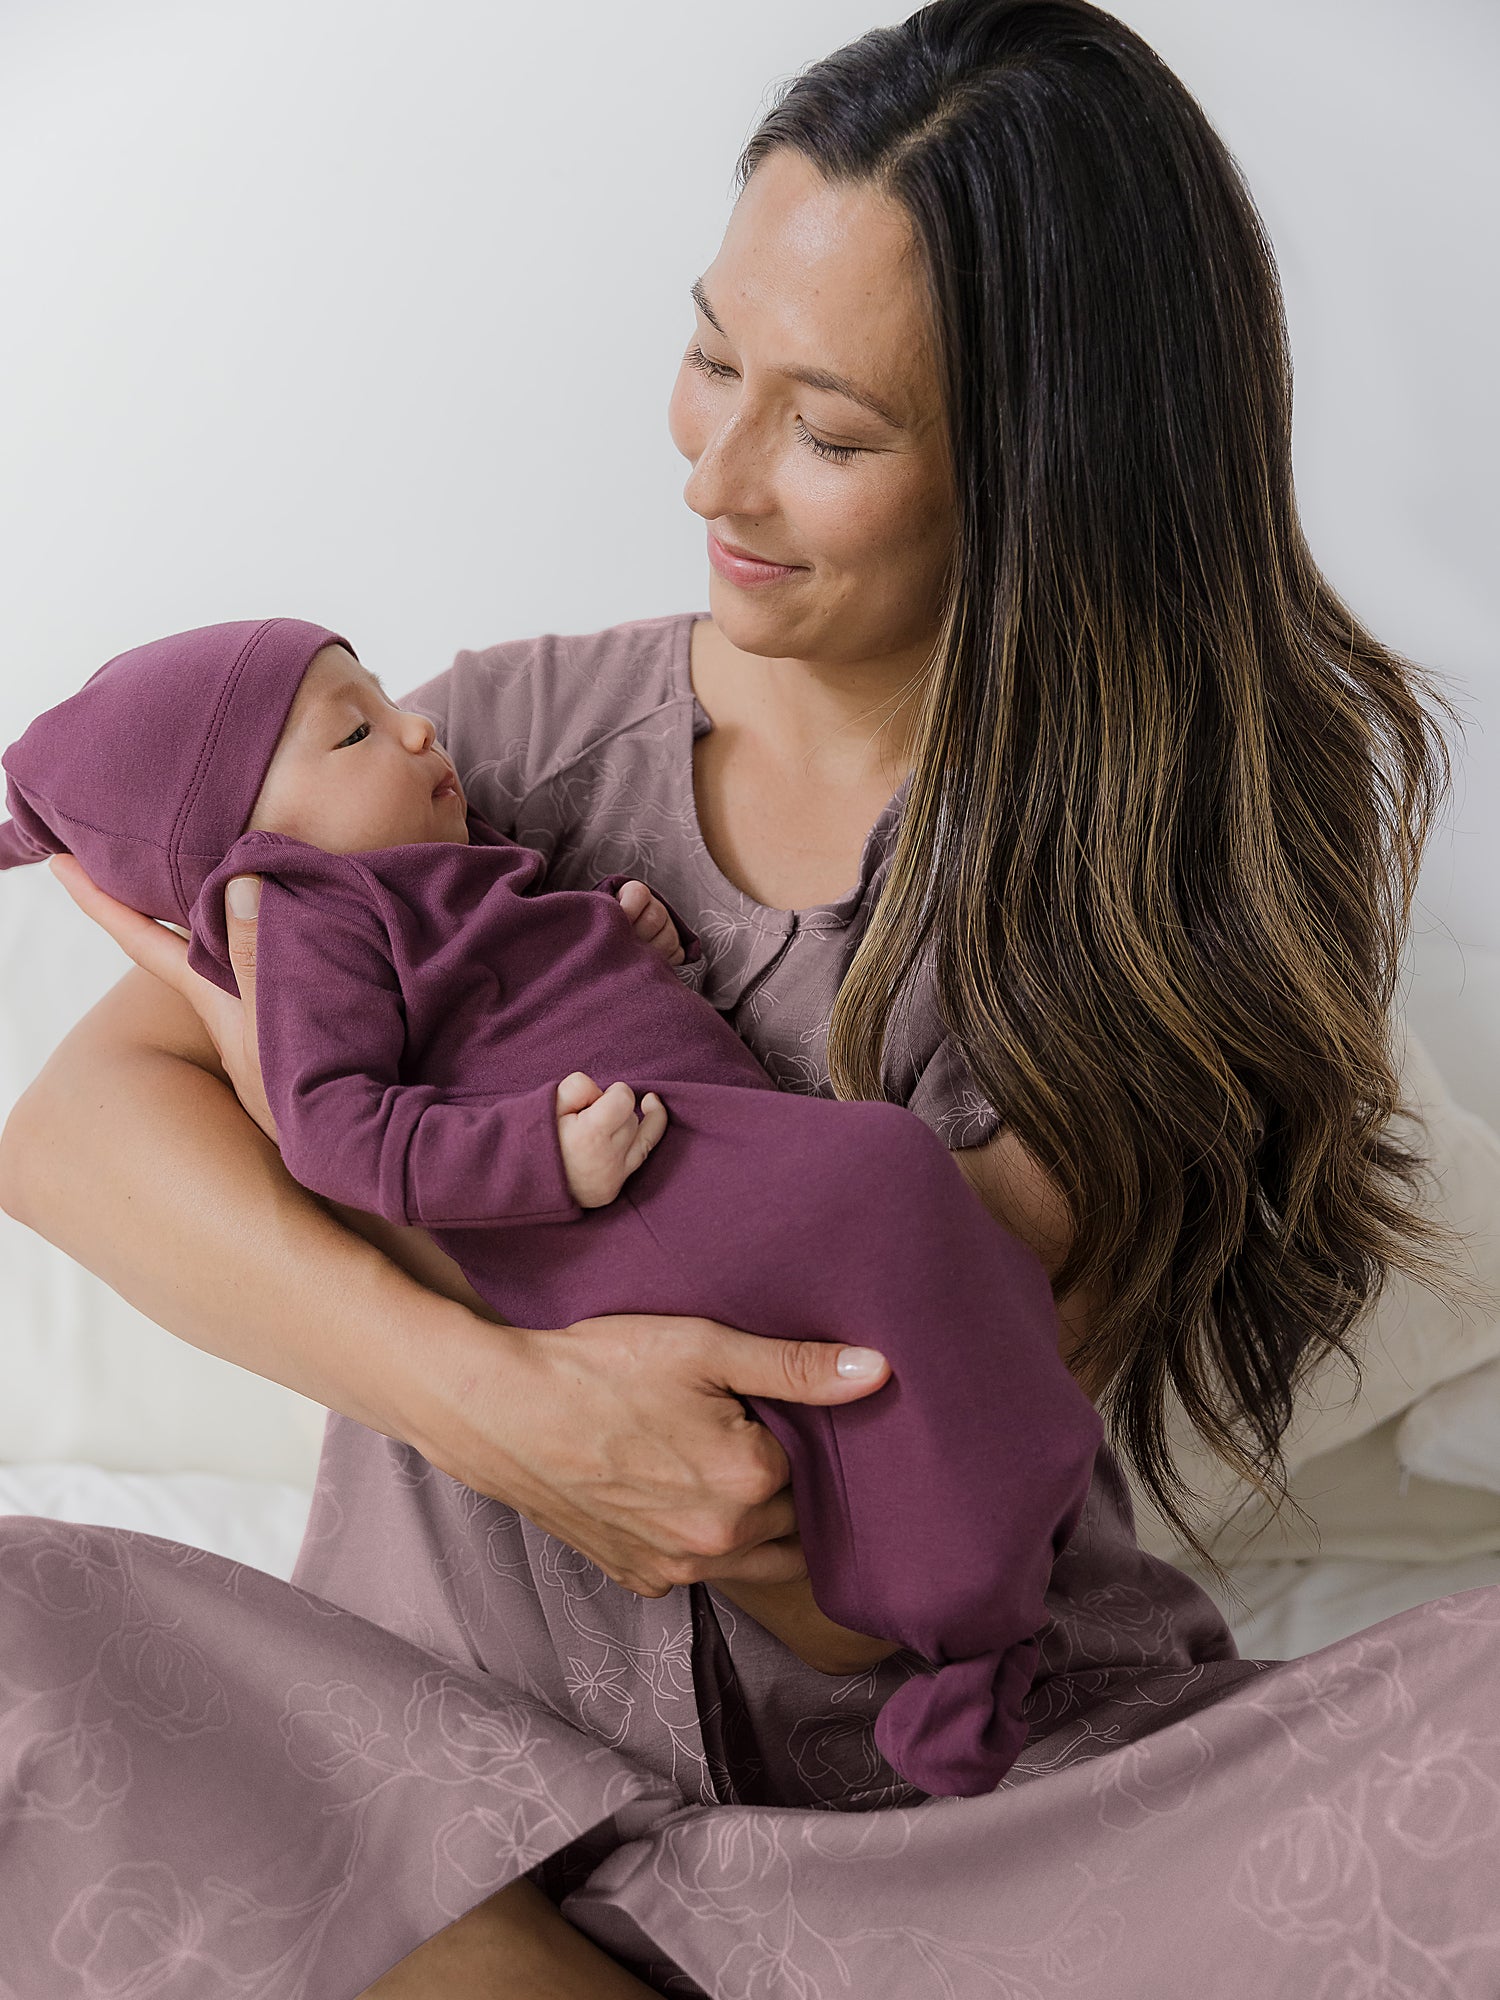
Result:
[[1409, 1343], [84, 1376], [1454, 1433], [1359, 1502]]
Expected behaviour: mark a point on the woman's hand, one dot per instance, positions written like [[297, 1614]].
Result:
[[623, 1436], [229, 1022]]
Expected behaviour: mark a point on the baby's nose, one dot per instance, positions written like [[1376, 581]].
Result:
[[418, 730]]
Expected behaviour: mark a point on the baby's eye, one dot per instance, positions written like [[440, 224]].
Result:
[[354, 736]]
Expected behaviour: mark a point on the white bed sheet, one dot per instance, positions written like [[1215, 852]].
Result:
[[1286, 1608], [255, 1521]]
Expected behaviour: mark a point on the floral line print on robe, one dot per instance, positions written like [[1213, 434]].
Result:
[[1322, 1877], [1311, 1805], [465, 1756], [134, 1928], [1335, 1816], [484, 1578]]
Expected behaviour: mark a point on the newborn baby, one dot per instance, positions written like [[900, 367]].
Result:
[[521, 1072]]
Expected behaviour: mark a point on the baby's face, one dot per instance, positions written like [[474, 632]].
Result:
[[351, 771]]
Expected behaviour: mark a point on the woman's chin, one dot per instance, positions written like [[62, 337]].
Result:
[[753, 621]]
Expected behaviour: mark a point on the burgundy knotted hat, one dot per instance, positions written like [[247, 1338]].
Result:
[[149, 773]]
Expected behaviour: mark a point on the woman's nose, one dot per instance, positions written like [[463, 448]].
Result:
[[730, 477]]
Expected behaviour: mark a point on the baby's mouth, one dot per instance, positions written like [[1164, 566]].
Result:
[[446, 787]]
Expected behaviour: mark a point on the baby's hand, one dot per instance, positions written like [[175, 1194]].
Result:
[[650, 921], [602, 1138]]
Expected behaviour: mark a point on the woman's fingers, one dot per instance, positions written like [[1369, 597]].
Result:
[[610, 1435], [152, 946], [237, 1035], [798, 1371], [778, 1560], [241, 909], [161, 952]]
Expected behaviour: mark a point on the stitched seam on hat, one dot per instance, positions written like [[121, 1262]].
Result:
[[89, 826], [205, 755]]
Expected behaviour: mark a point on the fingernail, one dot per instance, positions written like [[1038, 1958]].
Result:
[[859, 1361], [243, 896]]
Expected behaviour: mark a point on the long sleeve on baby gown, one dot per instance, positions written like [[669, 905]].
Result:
[[332, 1028], [334, 1037]]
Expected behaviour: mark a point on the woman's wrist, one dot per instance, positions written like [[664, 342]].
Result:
[[384, 1375], [437, 1392], [443, 1340]]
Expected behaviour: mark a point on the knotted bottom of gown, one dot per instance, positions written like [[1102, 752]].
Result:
[[957, 1732]]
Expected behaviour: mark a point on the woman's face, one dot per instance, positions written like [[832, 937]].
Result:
[[809, 406]]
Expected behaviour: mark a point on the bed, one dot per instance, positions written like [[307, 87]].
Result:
[[105, 1418]]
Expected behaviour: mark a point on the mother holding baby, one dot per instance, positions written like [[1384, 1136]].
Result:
[[1026, 772]]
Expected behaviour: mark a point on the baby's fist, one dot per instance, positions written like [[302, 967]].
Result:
[[602, 1137], [650, 921]]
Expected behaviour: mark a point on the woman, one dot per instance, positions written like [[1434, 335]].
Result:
[[987, 409]]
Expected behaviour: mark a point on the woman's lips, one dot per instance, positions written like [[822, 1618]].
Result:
[[747, 570]]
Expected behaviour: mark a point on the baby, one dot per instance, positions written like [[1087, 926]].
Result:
[[431, 1024]]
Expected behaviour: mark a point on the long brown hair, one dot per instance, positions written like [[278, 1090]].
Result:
[[1170, 797]]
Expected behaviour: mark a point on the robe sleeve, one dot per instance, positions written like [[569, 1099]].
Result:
[[947, 1098], [332, 1030]]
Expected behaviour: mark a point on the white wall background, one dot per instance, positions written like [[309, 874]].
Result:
[[368, 312]]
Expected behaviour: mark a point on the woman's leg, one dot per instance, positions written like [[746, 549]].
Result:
[[512, 1946]]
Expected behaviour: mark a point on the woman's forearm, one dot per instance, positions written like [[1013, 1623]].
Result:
[[131, 1155], [791, 1611]]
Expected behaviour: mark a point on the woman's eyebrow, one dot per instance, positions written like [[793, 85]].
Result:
[[813, 378]]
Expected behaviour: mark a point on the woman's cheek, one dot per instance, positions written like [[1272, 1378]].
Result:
[[848, 519], [908, 530]]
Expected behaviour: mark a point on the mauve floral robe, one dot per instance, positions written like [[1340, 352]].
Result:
[[214, 1783]]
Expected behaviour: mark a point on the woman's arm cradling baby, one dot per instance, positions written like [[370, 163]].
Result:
[[624, 1436]]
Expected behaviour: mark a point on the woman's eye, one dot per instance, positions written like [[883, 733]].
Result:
[[715, 369], [839, 454], [354, 736]]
